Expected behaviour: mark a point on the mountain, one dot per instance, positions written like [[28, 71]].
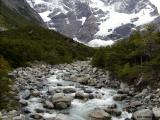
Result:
[[93, 20], [16, 13]]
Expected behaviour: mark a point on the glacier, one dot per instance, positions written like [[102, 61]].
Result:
[[91, 21]]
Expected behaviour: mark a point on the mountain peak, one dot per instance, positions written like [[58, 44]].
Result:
[[87, 20]]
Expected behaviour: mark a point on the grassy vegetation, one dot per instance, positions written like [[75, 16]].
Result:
[[135, 60]]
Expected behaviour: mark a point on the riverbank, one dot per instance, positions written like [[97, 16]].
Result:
[[77, 91]]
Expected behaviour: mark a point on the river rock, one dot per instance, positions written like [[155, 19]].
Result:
[[123, 86], [83, 80], [87, 91], [144, 114], [26, 94], [120, 97], [51, 90], [48, 105], [69, 90], [61, 101], [90, 96], [20, 117], [39, 110], [80, 95], [92, 82], [36, 116], [59, 84], [113, 106], [26, 110], [127, 119], [99, 115], [123, 91], [36, 93], [132, 107], [156, 112], [23, 102], [142, 94], [113, 112], [59, 90], [13, 113]]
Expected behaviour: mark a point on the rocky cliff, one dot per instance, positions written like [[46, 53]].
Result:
[[87, 20]]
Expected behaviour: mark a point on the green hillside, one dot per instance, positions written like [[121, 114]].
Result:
[[27, 44], [135, 60]]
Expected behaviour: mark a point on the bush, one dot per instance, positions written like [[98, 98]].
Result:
[[5, 83]]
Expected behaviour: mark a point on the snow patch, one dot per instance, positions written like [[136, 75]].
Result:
[[67, 20], [76, 39], [100, 43], [45, 16], [39, 1], [83, 20], [156, 3], [116, 19]]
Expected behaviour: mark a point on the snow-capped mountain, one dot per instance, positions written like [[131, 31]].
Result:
[[93, 20]]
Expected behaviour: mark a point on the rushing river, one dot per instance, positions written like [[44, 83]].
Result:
[[79, 108]]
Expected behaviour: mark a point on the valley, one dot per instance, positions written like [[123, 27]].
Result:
[[79, 60]]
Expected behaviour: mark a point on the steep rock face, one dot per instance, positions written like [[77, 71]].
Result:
[[157, 23], [87, 20], [20, 12]]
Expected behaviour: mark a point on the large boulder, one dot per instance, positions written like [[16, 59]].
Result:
[[99, 115], [61, 101], [144, 114]]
